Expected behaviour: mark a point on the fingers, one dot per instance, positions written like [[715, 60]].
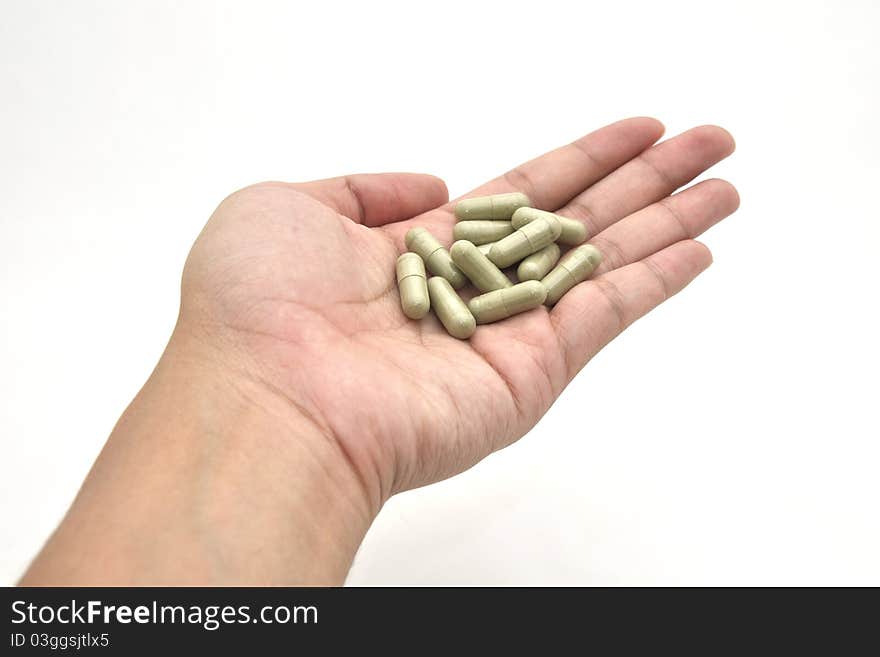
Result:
[[555, 177], [375, 199], [679, 217], [596, 311], [651, 176]]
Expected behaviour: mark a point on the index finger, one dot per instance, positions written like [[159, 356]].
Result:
[[556, 177]]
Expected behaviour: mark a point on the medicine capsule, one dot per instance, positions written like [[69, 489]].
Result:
[[575, 267], [573, 231], [500, 304], [536, 266], [496, 207], [436, 258], [413, 285], [480, 232], [532, 237], [485, 248], [477, 267], [450, 309]]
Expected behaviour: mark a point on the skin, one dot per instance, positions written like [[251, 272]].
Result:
[[294, 397]]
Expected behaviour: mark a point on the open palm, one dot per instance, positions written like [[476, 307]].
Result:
[[297, 282]]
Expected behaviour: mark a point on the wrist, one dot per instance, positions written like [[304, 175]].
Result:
[[210, 478]]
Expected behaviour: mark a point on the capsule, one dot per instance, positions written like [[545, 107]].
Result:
[[480, 232], [575, 267], [498, 207], [485, 248], [536, 266], [573, 231], [452, 311], [500, 304], [413, 286], [532, 237], [436, 258], [477, 267]]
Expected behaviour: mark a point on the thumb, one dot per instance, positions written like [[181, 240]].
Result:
[[375, 199]]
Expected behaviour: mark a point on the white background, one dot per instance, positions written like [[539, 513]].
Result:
[[729, 438]]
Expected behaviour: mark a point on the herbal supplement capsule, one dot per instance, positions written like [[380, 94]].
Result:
[[500, 304], [437, 259], [485, 248], [451, 310], [480, 232], [413, 286], [532, 237], [477, 267], [574, 268], [536, 266], [496, 207], [573, 231]]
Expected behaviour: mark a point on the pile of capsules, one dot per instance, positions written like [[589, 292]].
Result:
[[493, 233]]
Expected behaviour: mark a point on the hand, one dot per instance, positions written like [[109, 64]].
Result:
[[294, 397], [300, 278]]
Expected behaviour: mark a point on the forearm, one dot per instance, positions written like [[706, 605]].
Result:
[[206, 479]]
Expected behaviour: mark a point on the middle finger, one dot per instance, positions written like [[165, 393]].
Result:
[[649, 177]]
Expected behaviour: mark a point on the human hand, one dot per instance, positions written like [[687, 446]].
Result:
[[294, 285], [294, 396]]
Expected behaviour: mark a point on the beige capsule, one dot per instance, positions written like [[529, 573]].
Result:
[[450, 309], [496, 207], [480, 232], [573, 231], [477, 267], [536, 266], [575, 267], [532, 237], [437, 259], [509, 301], [413, 285]]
